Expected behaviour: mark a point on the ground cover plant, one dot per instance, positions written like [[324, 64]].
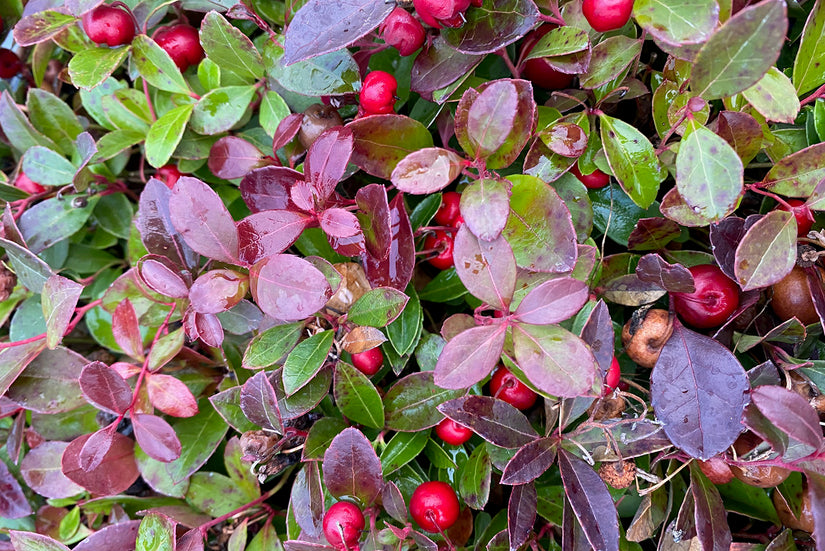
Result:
[[464, 274]]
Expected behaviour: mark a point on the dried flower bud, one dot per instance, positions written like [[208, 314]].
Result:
[[619, 474]]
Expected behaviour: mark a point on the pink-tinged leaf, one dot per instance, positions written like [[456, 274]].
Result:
[[104, 388], [268, 188], [320, 27], [348, 246], [297, 545], [439, 66], [117, 472], [259, 402], [327, 159], [232, 157], [49, 384], [307, 500], [485, 207], [486, 268], [709, 512], [564, 138], [427, 170], [120, 536], [816, 494], [521, 514], [41, 471], [351, 467], [381, 141], [591, 502], [653, 233], [767, 252], [304, 196], [674, 278], [198, 213], [699, 391], [393, 502], [339, 223], [599, 334], [206, 327], [375, 219], [29, 541], [553, 301], [555, 360], [790, 412], [96, 448], [59, 298], [125, 370], [287, 129], [13, 503], [494, 420], [157, 232], [161, 278], [530, 462], [798, 174], [269, 232], [396, 269], [156, 437], [126, 330], [288, 288], [217, 291], [171, 396], [14, 359], [190, 541], [470, 356]]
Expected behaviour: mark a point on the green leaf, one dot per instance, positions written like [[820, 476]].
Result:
[[216, 494], [305, 360], [29, 541], [54, 118], [632, 159], [128, 109], [609, 59], [560, 41], [90, 67], [809, 66], [47, 168], [268, 348], [474, 482], [377, 307], [165, 135], [402, 448], [156, 533], [30, 269], [273, 110], [330, 74], [20, 133], [14, 360], [320, 436], [114, 214], [741, 51], [767, 252], [357, 397], [798, 174], [409, 404], [156, 66], [53, 220], [405, 331], [39, 26], [709, 174], [220, 109], [166, 348], [266, 540], [774, 97], [230, 49], [677, 22], [749, 501]]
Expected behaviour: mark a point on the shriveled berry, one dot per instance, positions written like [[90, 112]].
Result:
[[402, 31], [506, 386], [619, 474], [441, 241], [378, 93], [434, 506], [182, 43], [109, 25], [714, 300], [452, 432], [342, 525], [645, 333], [369, 362]]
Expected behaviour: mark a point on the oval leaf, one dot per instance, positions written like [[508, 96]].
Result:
[[470, 356], [351, 467]]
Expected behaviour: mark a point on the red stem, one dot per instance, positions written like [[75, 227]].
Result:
[[813, 97], [78, 315]]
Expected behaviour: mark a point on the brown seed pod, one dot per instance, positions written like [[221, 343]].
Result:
[[805, 520], [317, 118], [792, 296], [609, 407], [619, 474], [717, 470], [644, 335]]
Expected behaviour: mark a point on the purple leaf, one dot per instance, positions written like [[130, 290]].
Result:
[[485, 207], [375, 219], [232, 157], [426, 171], [674, 278], [157, 232], [725, 236], [121, 536], [208, 329], [327, 159], [104, 388], [288, 288], [307, 500], [487, 268], [190, 541], [530, 462], [198, 213], [160, 277], [268, 233], [41, 471], [521, 514], [126, 330], [470, 356], [393, 502], [709, 512], [259, 402], [381, 141], [96, 448], [699, 391], [13, 503], [115, 474], [351, 467], [590, 501], [816, 493], [599, 334], [156, 437], [555, 360], [287, 130], [59, 298], [494, 420], [396, 270], [268, 188], [553, 301], [339, 223], [410, 403], [790, 412], [767, 252], [439, 66], [492, 26]]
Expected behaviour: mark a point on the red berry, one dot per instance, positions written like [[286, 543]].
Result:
[[441, 13], [169, 175], [448, 212], [378, 93], [10, 64], [714, 300], [109, 25], [452, 432], [27, 184], [614, 374], [802, 213], [607, 15], [595, 180], [537, 70], [369, 361], [441, 241], [434, 506], [343, 523], [182, 43], [506, 386], [402, 31]]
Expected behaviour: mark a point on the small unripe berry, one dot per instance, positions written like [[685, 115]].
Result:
[[506, 386], [368, 362], [182, 43], [452, 432], [342, 525], [378, 93], [434, 506], [402, 31], [109, 25]]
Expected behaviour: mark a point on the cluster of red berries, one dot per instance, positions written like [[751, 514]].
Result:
[[443, 240]]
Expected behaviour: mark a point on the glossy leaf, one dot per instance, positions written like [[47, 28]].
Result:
[[485, 207], [632, 160], [220, 109], [165, 135], [405, 332], [808, 66], [530, 462], [268, 233], [797, 175], [426, 171], [470, 356], [774, 97], [494, 420], [200, 216], [439, 66], [327, 159], [104, 388], [381, 141], [270, 346], [156, 66], [396, 270], [677, 23], [675, 278], [157, 232], [609, 59], [14, 503], [305, 360], [351, 467], [171, 396], [29, 541], [126, 331], [91, 66], [521, 514], [114, 475], [307, 500], [553, 301], [259, 402], [790, 413], [288, 288], [47, 167], [767, 251], [229, 48], [492, 26], [357, 396], [53, 220], [375, 219], [487, 268], [233, 157], [59, 299], [378, 307], [156, 437], [402, 448], [410, 404], [475, 479], [40, 469]]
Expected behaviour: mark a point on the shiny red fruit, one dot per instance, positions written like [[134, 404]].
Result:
[[109, 25], [444, 242], [614, 375], [595, 180], [607, 15], [434, 506], [402, 31], [441, 13], [169, 175], [452, 432], [538, 71], [10, 64], [449, 211], [182, 43], [342, 525], [506, 386], [27, 184], [714, 300], [802, 213], [378, 93], [368, 362]]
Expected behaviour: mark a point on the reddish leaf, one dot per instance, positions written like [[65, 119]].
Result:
[[41, 471], [217, 291], [393, 502], [171, 396], [426, 171], [59, 299], [816, 493], [599, 334], [521, 514], [114, 475], [307, 500], [157, 232], [288, 288], [198, 213], [161, 278], [208, 329], [327, 159], [553, 301], [339, 223], [120, 536], [699, 391], [232, 157], [375, 219], [674, 278], [381, 141], [13, 503], [590, 501], [126, 330], [95, 448], [351, 467], [652, 233], [104, 388], [710, 516], [494, 420], [190, 541], [156, 437], [348, 246], [486, 268], [396, 270], [530, 462], [470, 356], [259, 402], [485, 207], [790, 412], [286, 131], [29, 541], [269, 232], [305, 196], [268, 188], [439, 66]]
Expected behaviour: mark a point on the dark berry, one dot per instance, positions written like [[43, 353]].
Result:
[[182, 43], [443, 242], [10, 64], [109, 25], [506, 386], [434, 506], [791, 296], [402, 31], [343, 523], [607, 15], [369, 362], [714, 300], [452, 432]]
